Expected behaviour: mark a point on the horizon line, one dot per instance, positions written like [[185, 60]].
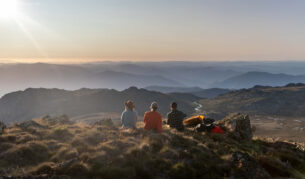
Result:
[[86, 61]]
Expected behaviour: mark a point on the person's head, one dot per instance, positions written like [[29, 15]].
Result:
[[129, 105], [154, 106], [174, 106]]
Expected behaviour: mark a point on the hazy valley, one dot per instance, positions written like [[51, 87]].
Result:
[[180, 76]]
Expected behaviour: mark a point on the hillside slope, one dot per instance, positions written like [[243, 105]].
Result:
[[32, 103], [57, 147], [284, 101]]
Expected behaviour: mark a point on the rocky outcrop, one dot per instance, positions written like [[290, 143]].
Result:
[[2, 127], [238, 125]]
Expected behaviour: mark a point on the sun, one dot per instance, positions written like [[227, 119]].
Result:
[[8, 8]]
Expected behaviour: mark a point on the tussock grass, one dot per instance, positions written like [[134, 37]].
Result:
[[102, 150]]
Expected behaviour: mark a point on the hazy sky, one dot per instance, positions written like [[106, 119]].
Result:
[[154, 30]]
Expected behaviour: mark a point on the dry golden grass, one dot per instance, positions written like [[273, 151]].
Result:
[[103, 150]]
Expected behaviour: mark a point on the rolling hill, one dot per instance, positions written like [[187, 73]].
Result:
[[261, 100], [32, 103]]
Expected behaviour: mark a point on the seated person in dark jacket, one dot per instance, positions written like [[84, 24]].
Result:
[[175, 118]]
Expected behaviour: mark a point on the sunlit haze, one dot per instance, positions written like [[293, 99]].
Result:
[[8, 8], [137, 30]]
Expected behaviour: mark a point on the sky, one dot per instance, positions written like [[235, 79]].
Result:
[[153, 30]]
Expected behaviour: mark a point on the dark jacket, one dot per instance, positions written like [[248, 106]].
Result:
[[175, 119]]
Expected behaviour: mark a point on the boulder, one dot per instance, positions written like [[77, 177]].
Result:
[[2, 127], [238, 125]]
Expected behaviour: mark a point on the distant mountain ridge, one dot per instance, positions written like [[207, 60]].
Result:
[[170, 89], [121, 75], [196, 91], [250, 79], [72, 77], [33, 103]]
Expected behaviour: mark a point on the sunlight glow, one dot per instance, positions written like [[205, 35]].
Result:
[[8, 8]]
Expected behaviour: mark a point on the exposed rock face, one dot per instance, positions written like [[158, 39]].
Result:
[[238, 125], [2, 127], [245, 166]]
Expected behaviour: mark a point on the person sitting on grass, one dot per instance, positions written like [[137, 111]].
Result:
[[129, 116], [153, 119], [175, 117]]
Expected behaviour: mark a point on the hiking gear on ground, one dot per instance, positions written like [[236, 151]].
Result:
[[208, 121], [193, 121], [153, 121], [175, 119], [208, 128], [204, 127], [218, 130]]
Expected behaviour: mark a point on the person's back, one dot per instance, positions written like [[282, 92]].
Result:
[[175, 118], [153, 119], [129, 116]]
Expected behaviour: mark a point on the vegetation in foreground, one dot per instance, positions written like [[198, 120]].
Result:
[[61, 148]]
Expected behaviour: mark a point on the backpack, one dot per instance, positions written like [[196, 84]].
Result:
[[206, 126]]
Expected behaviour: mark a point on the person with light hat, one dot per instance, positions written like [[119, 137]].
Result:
[[153, 119], [129, 116]]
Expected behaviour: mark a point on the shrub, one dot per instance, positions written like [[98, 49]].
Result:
[[64, 153], [116, 172], [61, 134], [44, 168], [26, 154], [181, 170]]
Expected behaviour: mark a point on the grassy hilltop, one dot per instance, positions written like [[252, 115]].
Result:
[[60, 148]]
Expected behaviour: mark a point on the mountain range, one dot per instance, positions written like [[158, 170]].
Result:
[[14, 77], [250, 79], [34, 103], [173, 77], [196, 91]]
